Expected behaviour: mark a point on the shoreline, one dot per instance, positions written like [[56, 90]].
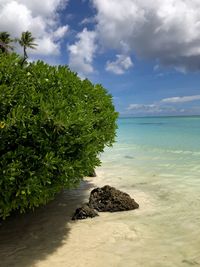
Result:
[[48, 237]]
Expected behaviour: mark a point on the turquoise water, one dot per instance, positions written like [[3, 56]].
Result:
[[157, 160], [167, 133], [163, 143], [158, 144]]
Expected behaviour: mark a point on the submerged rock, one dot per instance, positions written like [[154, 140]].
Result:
[[110, 199], [84, 212], [128, 157]]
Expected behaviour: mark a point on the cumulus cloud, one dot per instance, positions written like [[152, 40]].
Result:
[[38, 17], [141, 106], [120, 65], [166, 30], [151, 109], [81, 53], [46, 47], [43, 8], [181, 99], [166, 106]]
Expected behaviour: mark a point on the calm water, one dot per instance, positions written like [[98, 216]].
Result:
[[158, 144], [156, 161], [161, 158]]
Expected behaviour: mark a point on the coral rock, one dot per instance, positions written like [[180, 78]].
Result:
[[84, 212], [110, 199]]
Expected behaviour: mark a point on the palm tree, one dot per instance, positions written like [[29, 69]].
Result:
[[26, 41], [5, 41]]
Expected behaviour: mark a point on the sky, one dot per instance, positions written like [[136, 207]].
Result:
[[146, 53]]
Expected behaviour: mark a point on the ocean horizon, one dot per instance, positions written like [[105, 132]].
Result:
[[158, 116]]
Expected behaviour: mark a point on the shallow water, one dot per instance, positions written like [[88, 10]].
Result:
[[156, 161]]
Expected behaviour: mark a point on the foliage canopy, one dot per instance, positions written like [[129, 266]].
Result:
[[53, 125], [5, 42]]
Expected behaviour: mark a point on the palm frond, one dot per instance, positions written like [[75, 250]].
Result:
[[5, 41]]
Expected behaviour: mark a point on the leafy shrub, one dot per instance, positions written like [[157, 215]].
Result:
[[52, 128]]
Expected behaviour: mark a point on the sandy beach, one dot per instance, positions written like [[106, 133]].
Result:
[[48, 237]]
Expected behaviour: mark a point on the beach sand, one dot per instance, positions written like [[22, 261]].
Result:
[[48, 237]]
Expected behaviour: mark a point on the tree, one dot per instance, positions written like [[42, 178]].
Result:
[[26, 41], [53, 126], [5, 41]]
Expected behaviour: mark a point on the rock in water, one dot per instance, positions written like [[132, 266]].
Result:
[[106, 198], [84, 212], [110, 199], [92, 174]]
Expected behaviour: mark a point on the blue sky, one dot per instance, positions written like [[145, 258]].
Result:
[[146, 53]]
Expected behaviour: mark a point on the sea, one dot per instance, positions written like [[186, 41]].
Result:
[[160, 158], [154, 159]]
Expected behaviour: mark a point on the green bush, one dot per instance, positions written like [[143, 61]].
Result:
[[53, 125]]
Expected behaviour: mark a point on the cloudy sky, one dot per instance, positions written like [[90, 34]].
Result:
[[145, 52]]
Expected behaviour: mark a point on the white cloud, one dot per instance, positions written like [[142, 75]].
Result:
[[43, 8], [166, 106], [166, 30], [89, 20], [181, 99], [60, 32], [120, 65], [36, 16], [46, 47], [81, 53], [141, 106], [149, 108]]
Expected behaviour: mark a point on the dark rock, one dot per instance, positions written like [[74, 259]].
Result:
[[84, 212], [110, 199], [92, 174]]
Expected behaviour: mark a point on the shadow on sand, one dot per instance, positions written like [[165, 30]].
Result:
[[28, 238]]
